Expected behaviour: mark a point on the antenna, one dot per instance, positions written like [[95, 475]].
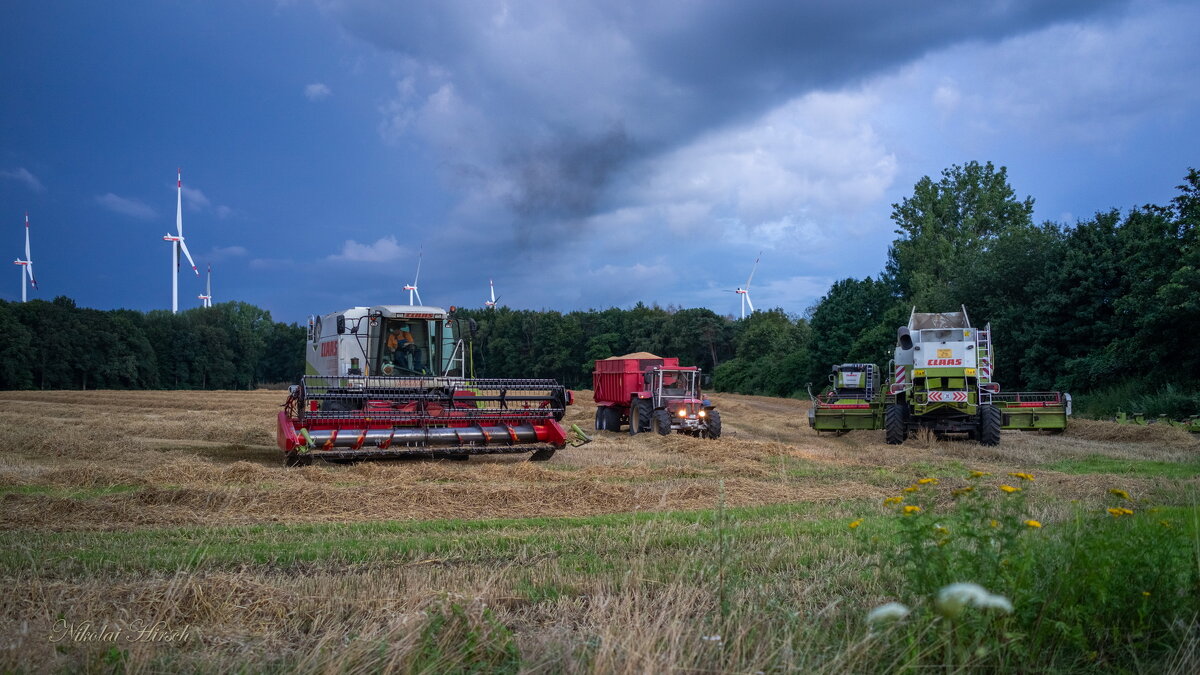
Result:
[[177, 243], [26, 264]]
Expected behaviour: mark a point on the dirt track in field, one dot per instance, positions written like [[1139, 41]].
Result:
[[115, 460]]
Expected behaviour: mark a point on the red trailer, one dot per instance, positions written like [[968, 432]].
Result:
[[649, 392]]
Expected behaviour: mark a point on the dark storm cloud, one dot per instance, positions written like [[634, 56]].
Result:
[[561, 97]]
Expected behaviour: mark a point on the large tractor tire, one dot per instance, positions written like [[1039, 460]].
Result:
[[640, 415], [714, 424], [662, 422], [895, 424], [989, 425]]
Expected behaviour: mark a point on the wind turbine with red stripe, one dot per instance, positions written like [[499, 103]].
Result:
[[177, 243], [27, 263]]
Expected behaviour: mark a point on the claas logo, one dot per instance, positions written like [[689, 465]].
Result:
[[945, 362], [329, 348]]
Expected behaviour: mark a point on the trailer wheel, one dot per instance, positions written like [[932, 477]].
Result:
[[661, 422], [607, 419], [714, 424], [894, 424], [989, 425]]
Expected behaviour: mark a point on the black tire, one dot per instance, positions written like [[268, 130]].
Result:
[[635, 417], [989, 425], [661, 422], [714, 424], [607, 419], [542, 455], [895, 424]]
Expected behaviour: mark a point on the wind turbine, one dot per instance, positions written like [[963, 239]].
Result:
[[206, 299], [176, 244], [412, 288], [27, 263], [745, 292], [492, 302]]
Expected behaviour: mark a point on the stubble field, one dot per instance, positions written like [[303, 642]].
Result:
[[157, 515]]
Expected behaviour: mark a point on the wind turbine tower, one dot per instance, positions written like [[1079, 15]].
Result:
[[491, 303], [206, 299], [26, 264], [177, 243], [412, 288], [745, 292]]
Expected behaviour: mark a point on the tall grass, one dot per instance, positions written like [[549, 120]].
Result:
[[1169, 399]]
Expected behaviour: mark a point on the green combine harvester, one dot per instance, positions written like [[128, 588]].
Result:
[[941, 381], [1191, 424]]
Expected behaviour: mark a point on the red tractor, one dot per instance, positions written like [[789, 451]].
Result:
[[652, 393]]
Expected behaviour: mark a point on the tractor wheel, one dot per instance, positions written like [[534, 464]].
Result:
[[989, 425], [661, 422], [714, 424], [894, 425]]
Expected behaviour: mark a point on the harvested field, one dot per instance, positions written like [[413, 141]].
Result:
[[89, 479]]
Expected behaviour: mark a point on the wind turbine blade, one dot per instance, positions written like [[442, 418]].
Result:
[[189, 257], [752, 270], [418, 277], [29, 269], [490, 284], [208, 283], [749, 302], [419, 300], [179, 205], [27, 238]]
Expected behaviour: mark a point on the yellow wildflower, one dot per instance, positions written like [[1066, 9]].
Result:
[[911, 488], [979, 474], [928, 481], [1116, 513], [1125, 511], [1010, 489], [1146, 593], [1033, 523], [1120, 493], [1022, 476], [940, 529], [856, 523], [962, 491], [893, 500], [909, 508], [994, 523]]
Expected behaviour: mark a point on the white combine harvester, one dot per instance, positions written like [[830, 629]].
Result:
[[394, 381]]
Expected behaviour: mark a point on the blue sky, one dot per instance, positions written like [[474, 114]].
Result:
[[583, 155]]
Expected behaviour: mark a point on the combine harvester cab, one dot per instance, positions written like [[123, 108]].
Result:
[[943, 370], [851, 401], [391, 381], [652, 393]]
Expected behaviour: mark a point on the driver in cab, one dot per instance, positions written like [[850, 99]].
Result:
[[400, 342]]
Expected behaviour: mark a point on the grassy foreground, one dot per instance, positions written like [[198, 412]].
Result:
[[773, 589]]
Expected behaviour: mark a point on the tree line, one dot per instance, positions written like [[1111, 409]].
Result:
[[231, 345], [1111, 302]]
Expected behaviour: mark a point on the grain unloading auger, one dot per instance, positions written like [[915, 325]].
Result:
[[942, 381], [390, 381]]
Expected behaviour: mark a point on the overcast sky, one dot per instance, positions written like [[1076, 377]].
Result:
[[582, 154]]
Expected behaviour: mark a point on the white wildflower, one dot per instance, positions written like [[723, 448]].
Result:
[[952, 599], [892, 611]]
